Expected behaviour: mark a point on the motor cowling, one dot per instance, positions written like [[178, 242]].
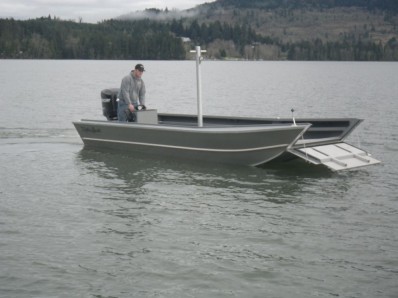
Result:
[[109, 103]]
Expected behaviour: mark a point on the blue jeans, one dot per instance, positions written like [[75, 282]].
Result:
[[124, 114], [122, 107]]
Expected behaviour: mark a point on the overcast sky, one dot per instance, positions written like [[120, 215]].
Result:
[[89, 10]]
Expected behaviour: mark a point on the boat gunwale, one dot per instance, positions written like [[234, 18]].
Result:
[[254, 119], [196, 129]]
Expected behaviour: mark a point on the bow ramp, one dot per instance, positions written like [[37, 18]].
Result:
[[339, 156]]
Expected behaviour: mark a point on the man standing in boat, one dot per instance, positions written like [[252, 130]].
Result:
[[131, 94]]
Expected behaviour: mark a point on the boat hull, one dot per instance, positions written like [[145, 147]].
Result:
[[243, 145]]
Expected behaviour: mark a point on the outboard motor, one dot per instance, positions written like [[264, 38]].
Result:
[[109, 103]]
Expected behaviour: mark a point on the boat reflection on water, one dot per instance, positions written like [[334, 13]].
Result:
[[127, 176]]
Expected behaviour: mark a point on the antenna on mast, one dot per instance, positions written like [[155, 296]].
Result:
[[294, 120]]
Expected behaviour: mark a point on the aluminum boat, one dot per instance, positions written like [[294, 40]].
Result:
[[237, 144], [233, 140]]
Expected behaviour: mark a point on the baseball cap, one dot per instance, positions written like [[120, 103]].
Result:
[[140, 67]]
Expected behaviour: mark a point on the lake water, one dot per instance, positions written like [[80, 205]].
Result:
[[81, 223]]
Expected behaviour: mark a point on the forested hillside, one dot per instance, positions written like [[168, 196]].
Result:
[[361, 30], [55, 39], [309, 29]]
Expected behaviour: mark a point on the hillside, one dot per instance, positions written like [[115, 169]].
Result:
[[294, 24]]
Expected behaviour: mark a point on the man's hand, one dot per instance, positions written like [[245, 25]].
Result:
[[131, 108]]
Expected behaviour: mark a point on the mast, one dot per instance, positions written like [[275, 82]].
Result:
[[198, 52]]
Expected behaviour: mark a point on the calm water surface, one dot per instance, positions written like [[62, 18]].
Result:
[[81, 223]]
